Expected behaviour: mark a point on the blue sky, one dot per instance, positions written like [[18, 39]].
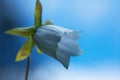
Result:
[[100, 22]]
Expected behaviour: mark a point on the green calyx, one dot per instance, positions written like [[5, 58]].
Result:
[[29, 32], [26, 49]]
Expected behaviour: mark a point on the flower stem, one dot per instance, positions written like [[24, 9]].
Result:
[[27, 68]]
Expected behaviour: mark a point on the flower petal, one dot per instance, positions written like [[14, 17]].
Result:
[[58, 29], [63, 58], [68, 45], [57, 42], [74, 35], [46, 39]]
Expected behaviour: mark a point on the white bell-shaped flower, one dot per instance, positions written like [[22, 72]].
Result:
[[57, 42]]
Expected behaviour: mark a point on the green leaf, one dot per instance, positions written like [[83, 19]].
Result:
[[38, 14], [38, 50], [24, 32], [25, 50], [48, 22]]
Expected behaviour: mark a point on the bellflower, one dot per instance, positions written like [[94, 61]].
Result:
[[57, 42]]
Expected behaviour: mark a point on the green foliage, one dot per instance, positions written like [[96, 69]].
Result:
[[38, 50], [25, 50], [48, 22], [24, 32], [38, 14]]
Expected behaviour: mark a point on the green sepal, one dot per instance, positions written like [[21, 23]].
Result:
[[48, 22], [25, 50], [38, 14], [24, 32], [38, 50]]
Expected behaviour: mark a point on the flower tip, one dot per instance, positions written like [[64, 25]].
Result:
[[66, 67]]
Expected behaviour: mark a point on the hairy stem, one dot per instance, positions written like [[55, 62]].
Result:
[[27, 68]]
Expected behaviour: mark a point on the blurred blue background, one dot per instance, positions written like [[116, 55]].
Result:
[[100, 41]]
